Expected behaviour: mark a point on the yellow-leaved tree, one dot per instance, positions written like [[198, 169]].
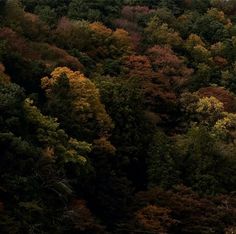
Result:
[[210, 112], [75, 101]]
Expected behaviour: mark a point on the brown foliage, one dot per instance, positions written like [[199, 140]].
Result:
[[164, 74], [168, 64], [83, 218], [190, 212], [2, 68], [53, 56], [154, 219], [132, 13], [73, 34], [138, 66], [17, 43], [220, 61], [223, 95], [34, 28], [132, 28], [3, 77], [128, 21], [49, 54], [126, 24], [156, 89]]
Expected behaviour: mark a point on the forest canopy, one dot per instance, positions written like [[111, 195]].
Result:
[[117, 116]]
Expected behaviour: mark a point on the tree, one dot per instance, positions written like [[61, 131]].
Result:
[[67, 34], [220, 16], [160, 34], [162, 162], [228, 7], [46, 14], [197, 49], [210, 29], [185, 22], [202, 76], [198, 5], [222, 94], [171, 76], [34, 156], [82, 9], [207, 123], [82, 218], [201, 161], [183, 211], [76, 103], [23, 71], [122, 42], [154, 219], [93, 11], [228, 78], [132, 131], [138, 66]]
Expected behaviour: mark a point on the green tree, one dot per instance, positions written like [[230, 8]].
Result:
[[162, 162], [210, 29], [204, 162], [160, 34], [94, 11], [35, 153], [124, 102], [73, 35], [47, 14]]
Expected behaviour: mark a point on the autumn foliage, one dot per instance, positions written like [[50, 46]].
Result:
[[117, 116]]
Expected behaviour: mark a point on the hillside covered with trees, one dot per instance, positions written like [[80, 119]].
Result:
[[117, 116]]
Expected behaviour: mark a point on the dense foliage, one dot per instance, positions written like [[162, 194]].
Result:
[[117, 116]]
